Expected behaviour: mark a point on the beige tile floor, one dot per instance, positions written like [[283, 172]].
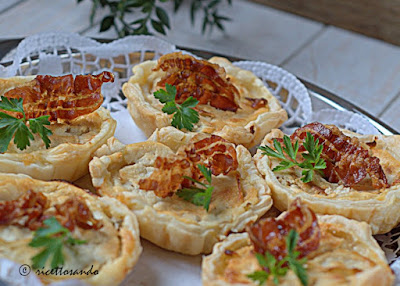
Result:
[[362, 70]]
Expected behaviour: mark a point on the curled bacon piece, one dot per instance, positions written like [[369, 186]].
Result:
[[168, 176], [221, 154], [214, 152], [31, 209], [347, 162], [62, 97], [74, 212], [201, 79], [270, 234], [29, 206]]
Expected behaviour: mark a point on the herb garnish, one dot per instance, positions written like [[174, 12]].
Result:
[[279, 268], [11, 126], [198, 196], [184, 115], [152, 12], [312, 160], [52, 238]]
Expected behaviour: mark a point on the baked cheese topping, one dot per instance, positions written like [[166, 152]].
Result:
[[143, 175], [78, 131], [339, 257], [105, 225], [339, 251]]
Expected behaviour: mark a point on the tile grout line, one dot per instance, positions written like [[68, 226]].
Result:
[[12, 6], [305, 45], [397, 96]]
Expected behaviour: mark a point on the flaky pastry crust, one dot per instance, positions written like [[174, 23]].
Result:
[[72, 144], [112, 249], [347, 255], [172, 222], [246, 126], [378, 207]]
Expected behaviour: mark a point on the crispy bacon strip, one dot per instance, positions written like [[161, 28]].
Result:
[[26, 211], [74, 212], [32, 208], [221, 154], [205, 81], [270, 234], [214, 152], [168, 176], [62, 97], [347, 162]]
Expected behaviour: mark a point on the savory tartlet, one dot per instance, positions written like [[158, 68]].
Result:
[[360, 181], [338, 251], [109, 230], [78, 125], [233, 103], [149, 178]]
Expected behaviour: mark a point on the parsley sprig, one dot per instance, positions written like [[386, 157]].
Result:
[[279, 268], [184, 114], [198, 196], [11, 126], [52, 238], [312, 160]]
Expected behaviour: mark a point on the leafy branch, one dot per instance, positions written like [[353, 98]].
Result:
[[152, 14], [278, 269], [12, 126], [312, 160], [198, 196]]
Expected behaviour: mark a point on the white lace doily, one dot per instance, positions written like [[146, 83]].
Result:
[[345, 120], [65, 53]]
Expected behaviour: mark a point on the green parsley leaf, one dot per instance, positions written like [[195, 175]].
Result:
[[11, 104], [166, 95], [170, 108], [276, 268], [259, 276], [295, 264], [190, 102], [22, 135], [6, 132], [312, 160], [206, 172], [37, 126], [198, 196], [184, 116], [52, 239], [11, 126]]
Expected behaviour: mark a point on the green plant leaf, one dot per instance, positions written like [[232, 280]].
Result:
[[162, 16], [206, 172], [37, 126], [312, 160], [106, 23], [166, 95], [190, 102], [51, 238], [259, 276], [12, 104], [278, 269], [158, 26], [184, 116], [198, 196]]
